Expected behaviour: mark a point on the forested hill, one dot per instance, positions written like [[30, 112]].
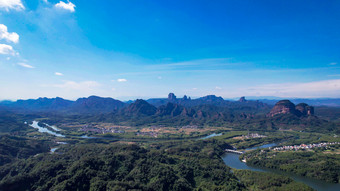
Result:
[[123, 167]]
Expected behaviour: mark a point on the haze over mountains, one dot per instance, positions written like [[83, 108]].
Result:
[[208, 107], [209, 110], [95, 104]]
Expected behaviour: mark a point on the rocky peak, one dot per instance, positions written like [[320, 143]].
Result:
[[242, 99], [185, 97], [287, 107], [305, 109], [172, 97], [283, 107]]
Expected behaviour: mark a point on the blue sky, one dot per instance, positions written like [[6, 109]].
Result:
[[129, 49]]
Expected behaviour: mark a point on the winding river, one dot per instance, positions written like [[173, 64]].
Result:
[[44, 130], [233, 161], [35, 125]]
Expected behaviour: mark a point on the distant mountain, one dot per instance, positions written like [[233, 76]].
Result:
[[40, 104], [173, 110], [209, 110], [92, 104], [158, 101], [209, 100], [96, 104], [139, 107], [172, 106], [330, 102]]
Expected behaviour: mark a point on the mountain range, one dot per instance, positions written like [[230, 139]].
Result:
[[95, 104], [208, 110]]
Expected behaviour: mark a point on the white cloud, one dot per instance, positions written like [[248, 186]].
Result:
[[325, 88], [10, 37], [84, 86], [25, 65], [67, 6], [159, 77], [218, 88], [333, 63], [58, 74], [11, 4], [6, 49], [121, 80]]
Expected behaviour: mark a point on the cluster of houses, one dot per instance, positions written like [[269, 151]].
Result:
[[252, 136], [90, 128], [303, 146], [148, 133], [190, 127], [155, 127]]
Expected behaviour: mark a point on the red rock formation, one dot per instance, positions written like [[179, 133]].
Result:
[[287, 107]]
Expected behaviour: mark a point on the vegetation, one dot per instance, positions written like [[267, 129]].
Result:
[[315, 164], [175, 159], [268, 181], [13, 148], [122, 167]]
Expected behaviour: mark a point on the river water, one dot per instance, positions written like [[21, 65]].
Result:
[[45, 130], [232, 160], [211, 135]]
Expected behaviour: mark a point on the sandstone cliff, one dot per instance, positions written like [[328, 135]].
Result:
[[287, 107]]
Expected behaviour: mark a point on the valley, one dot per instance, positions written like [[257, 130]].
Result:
[[177, 131]]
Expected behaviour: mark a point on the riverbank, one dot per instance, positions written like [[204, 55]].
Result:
[[232, 160]]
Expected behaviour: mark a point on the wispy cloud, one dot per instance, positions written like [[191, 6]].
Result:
[[218, 88], [66, 6], [11, 4], [201, 64], [9, 37], [84, 85], [122, 80], [58, 74], [6, 49], [329, 88], [332, 64], [25, 65]]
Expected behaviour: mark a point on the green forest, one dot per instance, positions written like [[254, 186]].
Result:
[[316, 164]]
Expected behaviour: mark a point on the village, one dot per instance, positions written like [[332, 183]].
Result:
[[91, 128], [304, 146], [253, 136], [152, 131]]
